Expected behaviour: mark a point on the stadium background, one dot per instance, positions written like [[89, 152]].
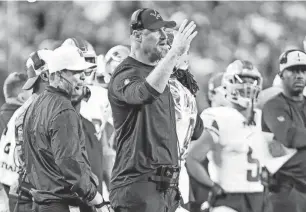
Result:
[[255, 31]]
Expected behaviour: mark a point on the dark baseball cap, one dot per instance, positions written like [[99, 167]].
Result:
[[149, 19]]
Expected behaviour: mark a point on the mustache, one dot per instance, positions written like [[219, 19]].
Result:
[[163, 41]]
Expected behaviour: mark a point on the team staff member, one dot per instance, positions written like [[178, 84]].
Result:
[[56, 162], [144, 117], [37, 71], [285, 116], [14, 98]]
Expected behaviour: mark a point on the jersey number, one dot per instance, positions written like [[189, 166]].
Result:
[[253, 176]]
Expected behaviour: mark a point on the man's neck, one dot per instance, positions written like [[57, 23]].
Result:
[[141, 57], [298, 97], [40, 88], [246, 112], [77, 107]]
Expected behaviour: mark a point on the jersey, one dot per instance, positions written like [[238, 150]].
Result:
[[240, 150], [10, 146], [185, 114], [97, 108]]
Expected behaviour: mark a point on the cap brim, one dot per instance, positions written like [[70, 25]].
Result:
[[160, 24], [282, 68], [82, 66], [29, 83]]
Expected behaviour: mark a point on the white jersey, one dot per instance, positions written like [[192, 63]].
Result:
[[186, 114], [97, 109], [10, 151], [240, 150]]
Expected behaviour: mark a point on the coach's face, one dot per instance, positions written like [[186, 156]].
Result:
[[294, 79], [72, 80], [154, 44]]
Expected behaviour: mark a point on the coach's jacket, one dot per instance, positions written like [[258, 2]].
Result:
[[54, 149]]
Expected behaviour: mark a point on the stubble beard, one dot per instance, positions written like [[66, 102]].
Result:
[[157, 54]]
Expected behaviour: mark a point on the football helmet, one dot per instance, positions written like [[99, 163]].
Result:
[[242, 82], [86, 48], [112, 59]]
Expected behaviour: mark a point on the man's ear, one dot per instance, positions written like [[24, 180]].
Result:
[[137, 35], [44, 76], [281, 75]]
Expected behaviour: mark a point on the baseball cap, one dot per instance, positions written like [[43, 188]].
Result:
[[70, 58], [292, 58], [149, 19], [35, 65]]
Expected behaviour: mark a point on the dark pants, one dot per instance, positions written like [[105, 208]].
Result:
[[23, 205], [53, 207], [245, 202], [288, 199], [143, 197]]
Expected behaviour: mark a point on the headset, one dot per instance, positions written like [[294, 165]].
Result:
[[135, 20], [283, 58]]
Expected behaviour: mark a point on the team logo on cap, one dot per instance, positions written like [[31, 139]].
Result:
[[80, 52], [126, 82], [156, 14]]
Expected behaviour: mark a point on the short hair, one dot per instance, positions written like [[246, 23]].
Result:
[[13, 84]]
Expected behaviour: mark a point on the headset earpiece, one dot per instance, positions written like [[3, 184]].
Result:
[[135, 21]]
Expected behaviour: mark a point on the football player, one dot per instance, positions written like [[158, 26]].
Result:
[[112, 59], [234, 144], [189, 125]]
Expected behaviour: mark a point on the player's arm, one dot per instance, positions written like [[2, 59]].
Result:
[[198, 129], [277, 118], [197, 154]]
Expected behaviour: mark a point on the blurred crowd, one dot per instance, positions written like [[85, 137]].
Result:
[[257, 31]]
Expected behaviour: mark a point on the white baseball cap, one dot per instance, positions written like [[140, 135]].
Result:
[[292, 58], [70, 58]]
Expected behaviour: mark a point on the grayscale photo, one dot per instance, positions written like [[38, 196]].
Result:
[[152, 106]]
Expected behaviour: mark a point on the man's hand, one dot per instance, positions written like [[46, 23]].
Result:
[[276, 149], [106, 208], [215, 192], [183, 38]]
